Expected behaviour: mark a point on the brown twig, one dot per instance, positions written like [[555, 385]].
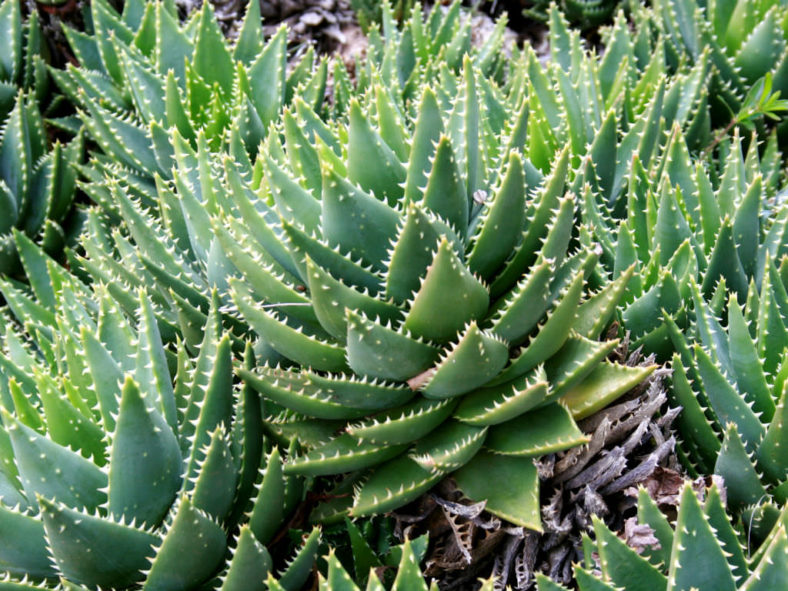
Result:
[[719, 137]]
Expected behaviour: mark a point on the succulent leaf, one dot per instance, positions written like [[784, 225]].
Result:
[[92, 550], [145, 460], [518, 502]]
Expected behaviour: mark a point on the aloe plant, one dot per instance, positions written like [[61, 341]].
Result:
[[731, 383], [701, 551], [416, 286], [37, 181], [126, 464]]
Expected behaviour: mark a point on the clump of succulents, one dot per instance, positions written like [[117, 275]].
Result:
[[203, 237], [123, 463], [703, 234], [178, 202], [143, 73], [643, 198], [304, 319], [140, 158], [424, 267], [259, 215], [700, 551], [350, 283], [37, 181]]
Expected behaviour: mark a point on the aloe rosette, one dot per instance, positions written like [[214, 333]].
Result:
[[419, 286], [701, 550], [125, 464]]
